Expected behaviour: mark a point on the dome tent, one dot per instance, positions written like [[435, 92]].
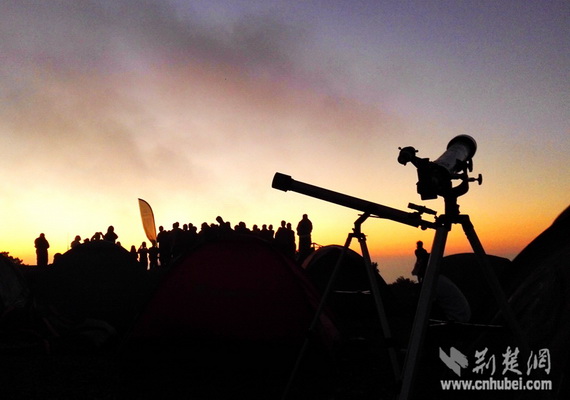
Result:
[[536, 283], [351, 276], [98, 280], [466, 273], [351, 281], [14, 291], [541, 301], [231, 297]]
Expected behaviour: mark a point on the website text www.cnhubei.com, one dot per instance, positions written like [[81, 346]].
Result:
[[496, 384]]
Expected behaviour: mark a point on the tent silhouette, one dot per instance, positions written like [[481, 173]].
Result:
[[14, 290], [464, 271], [541, 301], [351, 276], [351, 298], [536, 283], [237, 297], [97, 280]]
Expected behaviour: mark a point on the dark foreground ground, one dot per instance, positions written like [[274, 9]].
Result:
[[75, 366], [48, 356], [359, 370]]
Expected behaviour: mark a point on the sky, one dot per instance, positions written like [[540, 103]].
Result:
[[195, 105]]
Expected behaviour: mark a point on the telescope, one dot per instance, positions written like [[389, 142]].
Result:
[[434, 177], [285, 182]]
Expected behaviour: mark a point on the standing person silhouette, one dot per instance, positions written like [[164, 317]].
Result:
[[76, 242], [282, 238], [42, 246], [110, 236], [134, 253], [97, 236], [291, 248], [143, 256], [422, 257], [177, 240], [153, 256], [304, 229]]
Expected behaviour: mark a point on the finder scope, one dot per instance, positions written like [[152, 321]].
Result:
[[434, 177]]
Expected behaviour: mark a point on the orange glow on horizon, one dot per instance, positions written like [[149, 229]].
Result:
[[391, 245]]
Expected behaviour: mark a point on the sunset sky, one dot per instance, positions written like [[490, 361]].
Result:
[[194, 105]]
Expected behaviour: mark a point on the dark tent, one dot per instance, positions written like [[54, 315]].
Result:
[[465, 271], [97, 280], [536, 283], [351, 276], [14, 291], [351, 299], [550, 243], [541, 301], [237, 291]]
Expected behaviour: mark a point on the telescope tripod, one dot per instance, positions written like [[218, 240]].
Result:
[[427, 294], [375, 290]]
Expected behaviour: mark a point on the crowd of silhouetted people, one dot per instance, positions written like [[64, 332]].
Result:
[[172, 243]]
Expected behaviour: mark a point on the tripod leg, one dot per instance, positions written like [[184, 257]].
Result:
[[422, 313], [380, 309], [317, 316], [493, 283]]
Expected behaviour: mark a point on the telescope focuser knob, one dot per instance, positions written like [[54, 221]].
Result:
[[479, 179]]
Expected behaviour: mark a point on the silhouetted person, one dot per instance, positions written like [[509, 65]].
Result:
[[186, 236], [76, 242], [291, 245], [265, 233], [192, 235], [422, 257], [110, 236], [220, 220], [177, 240], [304, 229], [42, 246], [143, 256], [153, 257], [281, 238], [56, 257], [225, 229], [242, 228], [163, 240], [97, 236], [134, 253]]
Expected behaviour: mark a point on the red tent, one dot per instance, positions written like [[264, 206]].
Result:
[[233, 290]]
